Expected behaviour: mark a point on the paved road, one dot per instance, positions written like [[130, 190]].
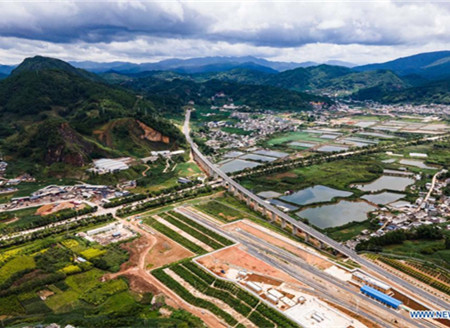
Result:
[[440, 304]]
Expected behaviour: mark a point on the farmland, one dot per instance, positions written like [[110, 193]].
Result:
[[202, 289], [43, 281]]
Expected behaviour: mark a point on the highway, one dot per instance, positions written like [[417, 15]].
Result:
[[289, 263], [441, 305]]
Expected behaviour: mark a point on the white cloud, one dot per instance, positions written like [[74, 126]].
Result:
[[146, 31]]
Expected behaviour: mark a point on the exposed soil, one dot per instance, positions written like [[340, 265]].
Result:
[[235, 257], [361, 319], [283, 175], [165, 251], [53, 208], [142, 280], [266, 280]]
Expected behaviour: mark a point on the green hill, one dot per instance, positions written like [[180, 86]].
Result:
[[432, 92], [52, 113], [173, 94]]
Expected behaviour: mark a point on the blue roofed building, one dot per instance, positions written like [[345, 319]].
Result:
[[381, 297]]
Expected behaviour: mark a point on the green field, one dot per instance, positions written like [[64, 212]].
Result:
[[337, 174], [75, 297], [295, 136]]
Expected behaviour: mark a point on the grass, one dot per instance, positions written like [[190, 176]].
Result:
[[337, 174], [100, 293], [294, 136], [85, 280], [221, 211], [118, 304], [92, 253], [349, 232], [63, 302], [16, 266], [415, 249]]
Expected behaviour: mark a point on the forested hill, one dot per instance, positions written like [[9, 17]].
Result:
[[175, 92], [437, 92], [52, 112]]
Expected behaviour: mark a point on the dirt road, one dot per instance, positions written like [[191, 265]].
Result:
[[136, 271]]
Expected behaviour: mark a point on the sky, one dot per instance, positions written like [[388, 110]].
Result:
[[146, 31]]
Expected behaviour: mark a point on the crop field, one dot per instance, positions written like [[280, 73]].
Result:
[[71, 291], [185, 278], [200, 234], [417, 273], [220, 210]]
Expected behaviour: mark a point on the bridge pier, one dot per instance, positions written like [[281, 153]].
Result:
[[306, 237], [294, 230], [272, 217], [283, 224], [321, 245]]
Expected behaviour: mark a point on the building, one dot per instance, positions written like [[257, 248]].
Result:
[[106, 228], [365, 279], [107, 165], [379, 296]]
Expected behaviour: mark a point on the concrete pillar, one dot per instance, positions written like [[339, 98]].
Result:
[[273, 217], [321, 245], [283, 223], [306, 238], [294, 230]]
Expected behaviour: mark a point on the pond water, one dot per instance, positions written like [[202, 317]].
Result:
[[237, 165], [329, 149], [387, 182], [383, 198], [419, 164], [277, 202], [259, 158], [316, 194], [335, 215], [271, 153]]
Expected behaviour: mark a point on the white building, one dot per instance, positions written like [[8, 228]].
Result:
[[106, 165]]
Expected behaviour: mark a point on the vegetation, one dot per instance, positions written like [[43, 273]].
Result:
[[28, 220], [193, 232], [175, 236], [425, 232], [85, 222], [338, 174], [145, 206], [56, 112], [416, 274], [221, 239], [237, 298], [188, 297], [74, 292]]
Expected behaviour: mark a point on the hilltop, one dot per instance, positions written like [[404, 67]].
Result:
[[52, 112]]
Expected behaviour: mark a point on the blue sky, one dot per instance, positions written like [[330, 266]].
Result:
[[141, 31]]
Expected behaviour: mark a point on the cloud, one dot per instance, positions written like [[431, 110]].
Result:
[[147, 31]]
